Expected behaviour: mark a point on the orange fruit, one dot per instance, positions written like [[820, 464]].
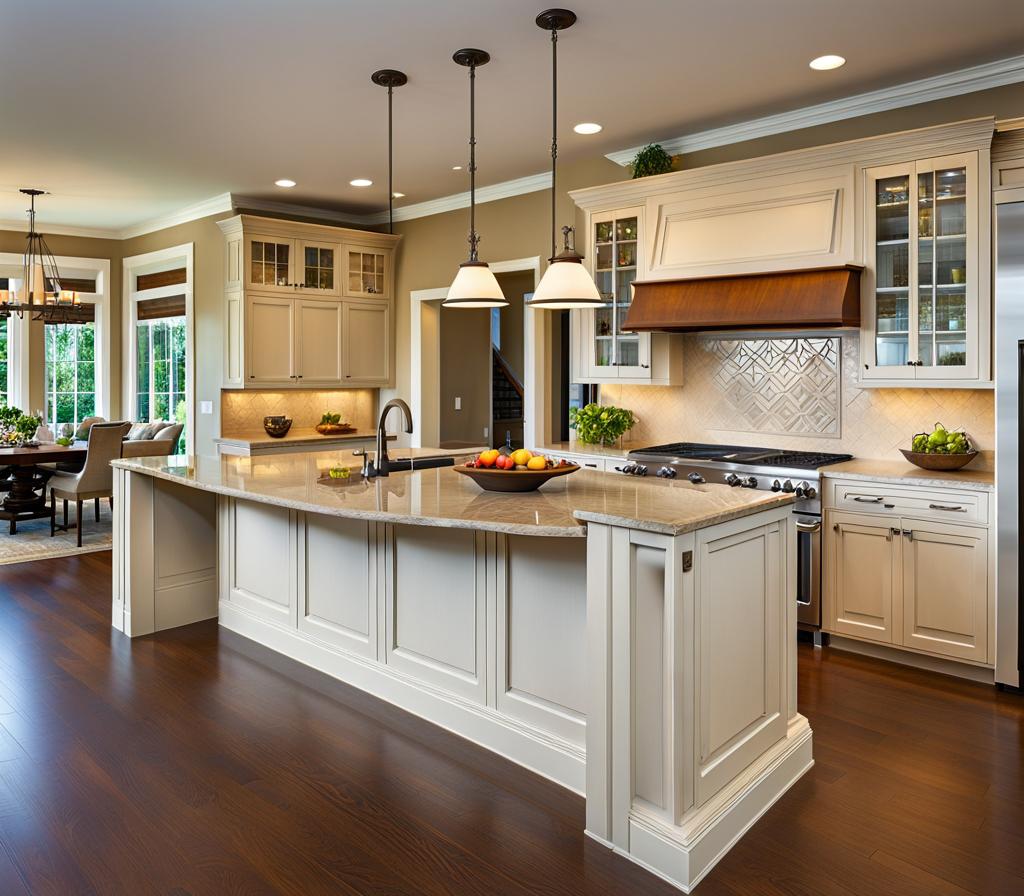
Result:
[[487, 458], [537, 462]]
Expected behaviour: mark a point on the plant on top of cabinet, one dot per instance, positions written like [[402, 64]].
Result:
[[600, 424], [652, 159]]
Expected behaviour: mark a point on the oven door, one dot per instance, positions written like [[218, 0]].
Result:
[[808, 564]]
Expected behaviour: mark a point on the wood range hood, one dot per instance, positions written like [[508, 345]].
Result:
[[782, 300]]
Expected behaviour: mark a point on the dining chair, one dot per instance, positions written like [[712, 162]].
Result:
[[94, 481]]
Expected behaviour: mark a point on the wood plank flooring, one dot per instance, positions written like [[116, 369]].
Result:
[[188, 764]]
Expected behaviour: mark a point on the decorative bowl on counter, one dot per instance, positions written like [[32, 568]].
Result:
[[277, 425], [334, 429], [493, 480], [938, 461]]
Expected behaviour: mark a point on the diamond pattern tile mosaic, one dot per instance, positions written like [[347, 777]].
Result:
[[243, 411], [869, 423], [780, 386]]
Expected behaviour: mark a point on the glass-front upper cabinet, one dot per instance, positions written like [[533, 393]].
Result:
[[367, 272], [269, 263], [921, 309], [319, 267], [615, 252], [922, 292]]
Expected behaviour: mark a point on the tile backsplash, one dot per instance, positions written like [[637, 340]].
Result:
[[243, 411], [799, 393]]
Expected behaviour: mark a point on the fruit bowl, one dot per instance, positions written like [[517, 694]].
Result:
[[493, 480], [938, 461], [334, 429], [277, 426]]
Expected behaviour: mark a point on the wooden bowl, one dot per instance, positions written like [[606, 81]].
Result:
[[277, 426], [939, 461], [512, 480], [334, 429]]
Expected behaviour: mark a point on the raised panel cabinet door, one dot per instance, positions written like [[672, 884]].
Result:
[[945, 589], [319, 343], [740, 607], [862, 593], [366, 356], [270, 348]]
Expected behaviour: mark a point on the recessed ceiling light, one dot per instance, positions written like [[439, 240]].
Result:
[[398, 195], [456, 167], [284, 182], [361, 182], [588, 127], [824, 63]]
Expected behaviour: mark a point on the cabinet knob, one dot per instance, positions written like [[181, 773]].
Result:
[[645, 366]]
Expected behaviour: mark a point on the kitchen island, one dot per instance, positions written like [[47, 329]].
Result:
[[632, 640]]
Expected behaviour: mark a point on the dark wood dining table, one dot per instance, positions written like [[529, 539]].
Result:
[[26, 498]]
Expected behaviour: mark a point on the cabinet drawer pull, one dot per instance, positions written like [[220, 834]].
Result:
[[861, 500], [591, 465], [952, 508]]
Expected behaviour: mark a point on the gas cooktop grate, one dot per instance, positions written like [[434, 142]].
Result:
[[802, 459], [767, 457]]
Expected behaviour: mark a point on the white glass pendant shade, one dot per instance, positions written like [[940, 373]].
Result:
[[475, 286], [566, 284]]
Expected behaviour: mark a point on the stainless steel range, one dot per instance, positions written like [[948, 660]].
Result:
[[769, 469]]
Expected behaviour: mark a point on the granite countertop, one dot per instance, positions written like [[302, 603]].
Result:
[[903, 472], [443, 497], [258, 438]]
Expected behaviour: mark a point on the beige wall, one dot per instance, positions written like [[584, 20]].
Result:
[[514, 286], [466, 373]]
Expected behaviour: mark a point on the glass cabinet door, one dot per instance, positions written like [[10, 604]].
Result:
[[892, 270], [616, 249], [269, 263], [942, 267], [319, 262], [366, 273]]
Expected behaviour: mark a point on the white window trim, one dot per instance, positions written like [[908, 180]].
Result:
[[152, 263], [12, 265]]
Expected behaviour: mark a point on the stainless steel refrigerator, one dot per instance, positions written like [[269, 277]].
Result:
[[1009, 365]]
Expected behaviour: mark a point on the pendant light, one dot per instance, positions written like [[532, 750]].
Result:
[[566, 283], [474, 286], [390, 78]]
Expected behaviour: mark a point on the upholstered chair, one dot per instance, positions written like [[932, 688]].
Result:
[[94, 481]]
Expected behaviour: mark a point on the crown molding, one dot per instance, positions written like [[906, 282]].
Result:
[[521, 185], [965, 80], [293, 210], [212, 206]]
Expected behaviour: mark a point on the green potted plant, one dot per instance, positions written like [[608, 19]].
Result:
[[650, 160], [599, 424]]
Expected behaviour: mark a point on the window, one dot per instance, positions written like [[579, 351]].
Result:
[[5, 376], [160, 361], [70, 373]]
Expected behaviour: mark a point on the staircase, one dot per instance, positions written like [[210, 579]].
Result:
[[506, 401]]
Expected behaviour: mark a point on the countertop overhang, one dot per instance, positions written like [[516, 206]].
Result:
[[441, 497]]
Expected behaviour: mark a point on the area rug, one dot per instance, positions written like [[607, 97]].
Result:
[[33, 542]]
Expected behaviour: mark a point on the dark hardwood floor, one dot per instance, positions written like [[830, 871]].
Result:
[[180, 764]]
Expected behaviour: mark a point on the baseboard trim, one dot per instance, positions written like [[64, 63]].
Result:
[[980, 674], [546, 755], [684, 855]]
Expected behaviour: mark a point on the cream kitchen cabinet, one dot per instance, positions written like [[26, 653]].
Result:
[[293, 341], [913, 569], [366, 354], [926, 316], [306, 305], [602, 351]]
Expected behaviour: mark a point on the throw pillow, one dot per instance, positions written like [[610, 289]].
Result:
[[136, 432], [152, 429], [82, 433]]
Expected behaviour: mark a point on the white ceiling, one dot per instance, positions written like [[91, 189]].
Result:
[[128, 110]]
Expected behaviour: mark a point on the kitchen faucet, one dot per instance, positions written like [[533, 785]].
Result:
[[380, 460]]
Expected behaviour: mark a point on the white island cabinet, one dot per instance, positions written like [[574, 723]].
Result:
[[634, 641]]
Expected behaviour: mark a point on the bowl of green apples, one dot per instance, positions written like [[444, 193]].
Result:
[[940, 449]]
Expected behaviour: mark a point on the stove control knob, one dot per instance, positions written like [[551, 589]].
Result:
[[627, 469], [787, 487], [641, 470], [749, 482], [696, 478], [805, 490], [810, 492], [667, 473], [776, 486], [732, 479]]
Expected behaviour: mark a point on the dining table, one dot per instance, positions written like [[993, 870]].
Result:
[[26, 495]]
